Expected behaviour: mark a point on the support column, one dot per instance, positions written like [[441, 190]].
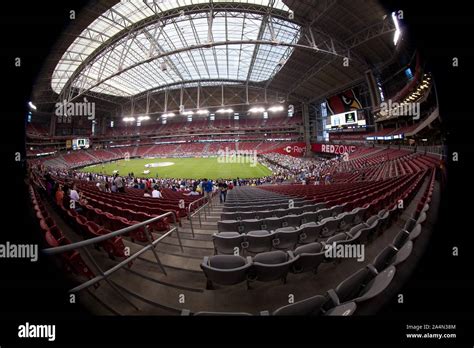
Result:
[[307, 130], [52, 125], [374, 94]]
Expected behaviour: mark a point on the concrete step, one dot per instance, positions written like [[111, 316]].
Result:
[[183, 262], [187, 242]]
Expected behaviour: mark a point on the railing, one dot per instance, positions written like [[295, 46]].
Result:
[[207, 205], [105, 274]]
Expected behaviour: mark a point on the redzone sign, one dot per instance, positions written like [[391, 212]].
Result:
[[333, 149]]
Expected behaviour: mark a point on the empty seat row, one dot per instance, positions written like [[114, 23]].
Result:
[[287, 238], [273, 223], [267, 205], [262, 214], [266, 266]]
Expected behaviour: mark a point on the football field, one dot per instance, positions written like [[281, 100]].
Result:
[[182, 168]]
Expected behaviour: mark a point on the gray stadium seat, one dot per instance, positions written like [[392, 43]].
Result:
[[258, 241], [330, 226], [272, 265], [226, 242], [421, 218], [310, 257], [369, 233], [271, 224], [360, 214], [400, 239], [286, 238], [323, 214], [310, 232], [280, 212], [384, 221], [337, 209], [347, 220], [229, 226], [251, 225], [225, 269], [309, 306], [415, 232], [309, 217], [391, 256], [362, 285], [292, 220]]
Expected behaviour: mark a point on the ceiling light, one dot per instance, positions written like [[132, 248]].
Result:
[[276, 108], [32, 106], [398, 32], [257, 110]]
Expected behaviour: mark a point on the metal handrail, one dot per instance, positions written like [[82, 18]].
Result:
[[198, 211], [121, 264], [105, 274], [87, 242], [196, 201]]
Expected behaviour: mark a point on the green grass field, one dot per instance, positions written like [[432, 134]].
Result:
[[185, 168]]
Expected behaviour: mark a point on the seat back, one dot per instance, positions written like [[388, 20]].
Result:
[[226, 269], [309, 306], [258, 242], [226, 242], [271, 266]]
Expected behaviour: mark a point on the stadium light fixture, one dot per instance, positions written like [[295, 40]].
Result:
[[256, 110], [128, 119], [169, 114], [32, 106], [202, 112], [225, 111], [276, 108], [187, 113], [398, 32], [143, 118]]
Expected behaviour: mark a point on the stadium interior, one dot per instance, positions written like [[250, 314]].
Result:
[[252, 157]]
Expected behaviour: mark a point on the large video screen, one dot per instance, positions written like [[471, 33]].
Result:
[[350, 118], [82, 143]]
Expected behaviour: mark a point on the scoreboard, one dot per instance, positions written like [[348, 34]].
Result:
[[81, 143], [353, 119]]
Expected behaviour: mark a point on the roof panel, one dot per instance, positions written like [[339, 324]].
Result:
[[230, 62], [127, 13]]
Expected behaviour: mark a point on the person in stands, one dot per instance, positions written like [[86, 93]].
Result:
[[156, 192], [147, 193], [66, 196], [119, 183], [206, 188], [59, 195], [73, 194], [223, 190], [192, 193], [107, 186]]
